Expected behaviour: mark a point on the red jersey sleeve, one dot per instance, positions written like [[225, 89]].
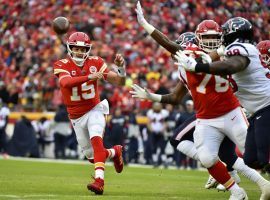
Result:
[[59, 67]]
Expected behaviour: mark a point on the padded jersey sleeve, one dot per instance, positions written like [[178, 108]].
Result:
[[59, 67]]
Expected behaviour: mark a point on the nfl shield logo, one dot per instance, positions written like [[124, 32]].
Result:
[[93, 69]]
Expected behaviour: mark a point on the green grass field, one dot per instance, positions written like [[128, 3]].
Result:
[[21, 179]]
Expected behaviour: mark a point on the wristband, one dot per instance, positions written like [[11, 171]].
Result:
[[148, 27], [121, 71], [155, 97], [202, 67]]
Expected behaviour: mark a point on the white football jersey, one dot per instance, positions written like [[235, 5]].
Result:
[[157, 119], [253, 85]]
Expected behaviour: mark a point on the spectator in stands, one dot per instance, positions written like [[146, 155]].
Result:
[[4, 94]]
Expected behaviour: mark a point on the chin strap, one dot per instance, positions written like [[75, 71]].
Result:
[[79, 61]]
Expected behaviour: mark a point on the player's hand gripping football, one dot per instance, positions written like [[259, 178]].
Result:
[[140, 16], [143, 93], [120, 62]]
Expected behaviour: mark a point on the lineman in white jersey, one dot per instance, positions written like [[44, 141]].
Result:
[[252, 85]]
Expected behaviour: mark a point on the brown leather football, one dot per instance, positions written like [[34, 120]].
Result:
[[60, 25]]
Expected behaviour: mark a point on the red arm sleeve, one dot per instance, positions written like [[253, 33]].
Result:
[[67, 81]]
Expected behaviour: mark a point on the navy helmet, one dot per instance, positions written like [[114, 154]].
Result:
[[237, 28]]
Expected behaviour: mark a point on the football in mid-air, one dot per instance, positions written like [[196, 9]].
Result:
[[60, 25]]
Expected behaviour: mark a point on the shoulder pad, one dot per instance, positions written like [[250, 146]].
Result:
[[60, 66]]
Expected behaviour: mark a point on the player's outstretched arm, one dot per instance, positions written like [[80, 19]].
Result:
[[158, 36], [232, 65], [118, 78], [173, 98], [66, 81]]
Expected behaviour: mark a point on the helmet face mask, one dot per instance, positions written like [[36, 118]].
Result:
[[209, 42], [208, 34], [265, 60], [264, 48], [79, 47]]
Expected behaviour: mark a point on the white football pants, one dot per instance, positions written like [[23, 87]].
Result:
[[90, 125], [209, 134]]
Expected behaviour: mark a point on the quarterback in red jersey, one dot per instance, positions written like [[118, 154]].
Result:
[[78, 76]]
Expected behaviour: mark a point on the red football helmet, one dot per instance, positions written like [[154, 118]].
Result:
[[79, 39], [264, 48], [208, 34]]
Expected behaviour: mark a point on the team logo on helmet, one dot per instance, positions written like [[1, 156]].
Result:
[[237, 23], [93, 69]]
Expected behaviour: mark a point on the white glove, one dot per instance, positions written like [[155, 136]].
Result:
[[221, 51], [141, 93], [148, 27], [139, 12], [187, 62], [205, 57]]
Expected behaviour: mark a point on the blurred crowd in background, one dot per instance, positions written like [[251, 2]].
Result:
[[29, 47]]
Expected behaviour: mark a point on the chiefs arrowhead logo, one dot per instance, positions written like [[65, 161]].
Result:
[[93, 69]]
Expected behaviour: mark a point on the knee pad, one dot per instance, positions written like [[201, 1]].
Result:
[[188, 148], [207, 159], [96, 130]]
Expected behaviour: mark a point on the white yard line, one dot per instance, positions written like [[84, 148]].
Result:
[[82, 162]]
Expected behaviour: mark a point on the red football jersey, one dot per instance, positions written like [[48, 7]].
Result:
[[212, 95], [84, 96]]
